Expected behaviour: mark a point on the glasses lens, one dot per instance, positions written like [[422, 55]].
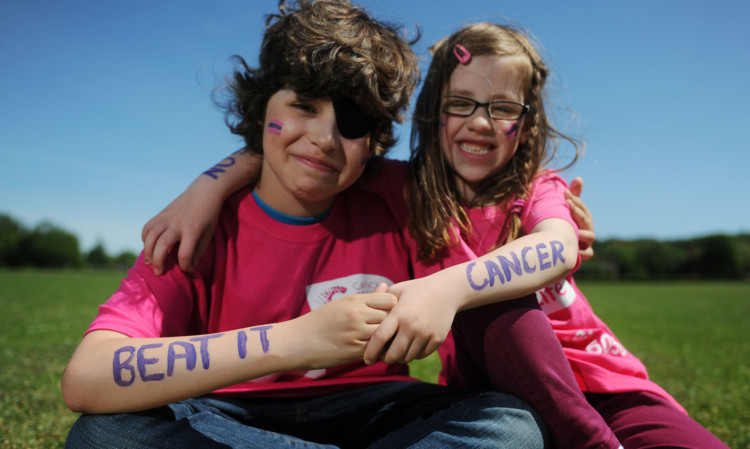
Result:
[[505, 110], [458, 106]]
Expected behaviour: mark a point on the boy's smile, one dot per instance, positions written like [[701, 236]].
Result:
[[306, 160]]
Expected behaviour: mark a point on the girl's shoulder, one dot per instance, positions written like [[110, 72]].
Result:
[[547, 178], [546, 199]]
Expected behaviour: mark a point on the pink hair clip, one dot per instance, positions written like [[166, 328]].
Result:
[[517, 207], [462, 54]]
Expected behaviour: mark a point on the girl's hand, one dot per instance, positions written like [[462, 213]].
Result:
[[583, 218], [338, 332], [416, 326], [189, 220]]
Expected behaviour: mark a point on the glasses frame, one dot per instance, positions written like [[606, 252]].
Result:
[[486, 106]]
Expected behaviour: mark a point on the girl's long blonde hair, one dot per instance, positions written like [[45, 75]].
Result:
[[434, 203]]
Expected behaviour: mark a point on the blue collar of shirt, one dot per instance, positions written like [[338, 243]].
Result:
[[289, 219]]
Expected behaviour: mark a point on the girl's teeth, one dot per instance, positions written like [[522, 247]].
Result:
[[475, 149]]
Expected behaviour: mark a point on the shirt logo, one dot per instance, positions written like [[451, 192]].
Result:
[[556, 297], [322, 293]]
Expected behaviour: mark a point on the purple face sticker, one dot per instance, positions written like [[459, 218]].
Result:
[[511, 131], [274, 127]]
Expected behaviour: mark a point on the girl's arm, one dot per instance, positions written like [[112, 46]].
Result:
[[423, 316], [191, 218], [111, 373]]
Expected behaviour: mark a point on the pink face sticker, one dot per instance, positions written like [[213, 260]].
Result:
[[511, 131], [274, 127], [443, 121]]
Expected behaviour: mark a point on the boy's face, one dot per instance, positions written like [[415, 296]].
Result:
[[306, 161]]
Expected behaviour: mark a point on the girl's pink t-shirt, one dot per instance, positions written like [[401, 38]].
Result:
[[600, 362]]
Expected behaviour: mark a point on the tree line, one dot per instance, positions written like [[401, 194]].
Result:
[[49, 246], [717, 256]]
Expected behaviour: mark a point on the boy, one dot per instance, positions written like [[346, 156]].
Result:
[[168, 360]]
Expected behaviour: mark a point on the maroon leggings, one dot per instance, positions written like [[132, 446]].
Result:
[[645, 420], [510, 346]]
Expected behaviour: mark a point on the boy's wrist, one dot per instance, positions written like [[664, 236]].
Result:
[[282, 346]]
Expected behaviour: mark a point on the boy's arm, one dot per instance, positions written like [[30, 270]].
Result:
[[111, 373], [421, 319], [191, 218]]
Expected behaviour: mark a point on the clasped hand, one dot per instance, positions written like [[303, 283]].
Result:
[[416, 326]]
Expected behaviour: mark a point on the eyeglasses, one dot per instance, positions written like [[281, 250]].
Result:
[[499, 110]]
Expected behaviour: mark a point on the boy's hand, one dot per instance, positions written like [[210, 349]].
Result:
[[416, 326], [338, 332], [583, 218]]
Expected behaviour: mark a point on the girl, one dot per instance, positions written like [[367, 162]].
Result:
[[488, 223]]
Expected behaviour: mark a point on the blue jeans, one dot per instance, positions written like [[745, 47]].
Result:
[[388, 415]]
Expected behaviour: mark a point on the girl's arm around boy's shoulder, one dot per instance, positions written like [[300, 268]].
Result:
[[111, 372], [191, 218]]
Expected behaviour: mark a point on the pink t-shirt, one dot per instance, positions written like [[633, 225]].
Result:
[[601, 363], [258, 271]]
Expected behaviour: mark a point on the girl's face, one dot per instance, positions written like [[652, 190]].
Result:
[[478, 146], [305, 160]]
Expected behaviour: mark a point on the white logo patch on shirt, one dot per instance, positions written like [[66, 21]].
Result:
[[556, 297], [322, 293]]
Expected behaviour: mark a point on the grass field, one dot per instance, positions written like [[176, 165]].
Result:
[[691, 336]]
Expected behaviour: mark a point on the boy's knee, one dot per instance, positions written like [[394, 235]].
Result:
[[118, 430], [89, 431], [510, 421]]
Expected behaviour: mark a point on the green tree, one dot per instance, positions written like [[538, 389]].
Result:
[[51, 247], [97, 257], [125, 260], [659, 259], [12, 233], [720, 256]]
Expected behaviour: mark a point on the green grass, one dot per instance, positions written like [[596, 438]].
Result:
[[693, 339], [42, 317], [691, 336]]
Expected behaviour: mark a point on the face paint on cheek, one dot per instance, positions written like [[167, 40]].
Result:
[[443, 121], [364, 161], [350, 119], [274, 127], [511, 131]]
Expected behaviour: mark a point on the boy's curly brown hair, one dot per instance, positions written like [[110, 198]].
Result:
[[326, 48]]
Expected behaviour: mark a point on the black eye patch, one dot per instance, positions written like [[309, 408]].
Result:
[[351, 121]]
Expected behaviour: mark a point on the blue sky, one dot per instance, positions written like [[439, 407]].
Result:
[[105, 109]]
